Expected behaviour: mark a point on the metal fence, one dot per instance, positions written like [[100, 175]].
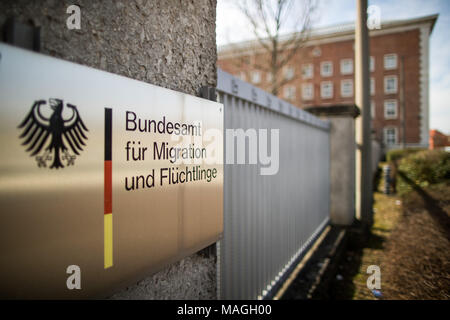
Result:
[[270, 220]]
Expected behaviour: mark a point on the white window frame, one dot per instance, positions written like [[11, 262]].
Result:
[[242, 76], [385, 135], [322, 84], [346, 94], [386, 114], [269, 77], [372, 64], [316, 52], [386, 80], [307, 87], [289, 92], [325, 74], [310, 67], [289, 73], [344, 63], [372, 86], [387, 65], [255, 77]]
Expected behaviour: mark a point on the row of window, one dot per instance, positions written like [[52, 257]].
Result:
[[326, 88], [390, 109], [326, 69]]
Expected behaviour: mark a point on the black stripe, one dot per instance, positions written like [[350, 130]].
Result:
[[108, 134]]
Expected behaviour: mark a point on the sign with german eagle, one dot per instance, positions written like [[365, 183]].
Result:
[[109, 176]]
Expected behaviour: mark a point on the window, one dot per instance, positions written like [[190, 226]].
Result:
[[307, 71], [372, 64], [256, 77], [242, 76], [346, 66], [326, 69], [372, 86], [269, 77], [307, 91], [317, 52], [326, 89], [390, 109], [372, 109], [347, 88], [289, 92], [289, 73], [390, 84], [390, 61], [390, 135]]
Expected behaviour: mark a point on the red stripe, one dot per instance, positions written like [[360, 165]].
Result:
[[108, 187]]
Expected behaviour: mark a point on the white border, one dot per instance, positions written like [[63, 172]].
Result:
[[424, 84]]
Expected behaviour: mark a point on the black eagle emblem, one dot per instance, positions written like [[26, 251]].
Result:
[[53, 135]]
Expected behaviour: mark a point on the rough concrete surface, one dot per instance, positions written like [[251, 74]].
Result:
[[191, 278], [342, 171], [169, 43]]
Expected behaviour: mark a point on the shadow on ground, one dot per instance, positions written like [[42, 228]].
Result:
[[410, 243], [432, 205]]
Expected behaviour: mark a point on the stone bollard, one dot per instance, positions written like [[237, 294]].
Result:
[[387, 179]]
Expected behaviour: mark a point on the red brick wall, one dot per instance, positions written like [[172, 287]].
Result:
[[406, 44], [438, 140]]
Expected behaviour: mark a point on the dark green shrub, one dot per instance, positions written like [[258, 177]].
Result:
[[422, 169], [398, 154]]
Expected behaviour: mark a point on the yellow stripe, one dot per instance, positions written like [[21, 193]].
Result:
[[108, 232]]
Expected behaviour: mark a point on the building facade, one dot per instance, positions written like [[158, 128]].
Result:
[[438, 140], [322, 74]]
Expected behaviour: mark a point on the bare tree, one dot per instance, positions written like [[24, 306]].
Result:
[[271, 20]]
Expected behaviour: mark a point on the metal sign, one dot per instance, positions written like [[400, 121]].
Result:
[[101, 174]]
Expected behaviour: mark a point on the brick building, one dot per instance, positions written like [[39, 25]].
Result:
[[322, 73], [438, 140]]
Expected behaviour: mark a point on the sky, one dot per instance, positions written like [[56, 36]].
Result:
[[231, 27]]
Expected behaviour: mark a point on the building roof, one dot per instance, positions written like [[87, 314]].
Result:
[[335, 31]]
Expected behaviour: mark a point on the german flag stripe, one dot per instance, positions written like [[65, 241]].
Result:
[[108, 187], [107, 211], [108, 134], [108, 240]]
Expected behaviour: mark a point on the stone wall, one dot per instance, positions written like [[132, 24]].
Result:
[[169, 43]]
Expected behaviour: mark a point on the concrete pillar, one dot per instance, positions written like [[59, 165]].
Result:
[[342, 162], [363, 131]]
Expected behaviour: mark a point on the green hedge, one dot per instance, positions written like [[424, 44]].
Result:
[[395, 155], [422, 169]]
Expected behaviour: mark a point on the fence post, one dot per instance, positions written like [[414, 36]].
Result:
[[342, 160]]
